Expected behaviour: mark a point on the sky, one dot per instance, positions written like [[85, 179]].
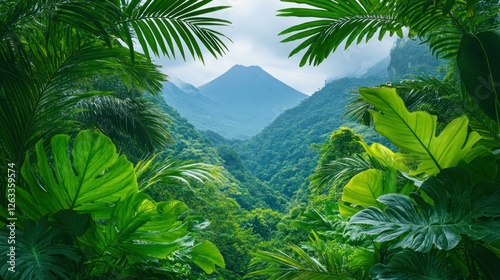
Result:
[[254, 32]]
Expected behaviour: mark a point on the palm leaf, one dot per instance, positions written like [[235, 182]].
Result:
[[156, 170], [415, 133], [338, 171], [337, 23], [304, 266], [165, 27], [137, 117]]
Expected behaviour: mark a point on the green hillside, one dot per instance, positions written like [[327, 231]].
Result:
[[190, 144], [282, 154]]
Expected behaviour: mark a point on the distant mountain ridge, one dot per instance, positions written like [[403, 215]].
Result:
[[238, 104]]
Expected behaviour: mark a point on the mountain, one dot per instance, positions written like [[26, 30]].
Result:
[[252, 89], [237, 105]]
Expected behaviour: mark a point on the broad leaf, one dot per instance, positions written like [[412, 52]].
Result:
[[459, 208], [415, 133], [479, 63], [140, 228], [89, 179], [364, 189], [38, 253], [207, 256], [410, 265]]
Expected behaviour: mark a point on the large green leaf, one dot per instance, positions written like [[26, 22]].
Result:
[[459, 208], [410, 265], [88, 177], [207, 256], [364, 189], [479, 63], [415, 133], [140, 228], [39, 253]]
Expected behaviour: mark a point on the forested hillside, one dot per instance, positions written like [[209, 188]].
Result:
[[283, 154]]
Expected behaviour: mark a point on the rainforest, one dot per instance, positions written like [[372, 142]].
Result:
[[392, 174]]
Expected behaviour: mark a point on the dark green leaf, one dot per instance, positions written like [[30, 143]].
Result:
[[479, 63]]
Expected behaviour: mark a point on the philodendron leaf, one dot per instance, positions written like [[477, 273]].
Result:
[[415, 132], [410, 265], [459, 208], [364, 189], [88, 177], [38, 253], [479, 63]]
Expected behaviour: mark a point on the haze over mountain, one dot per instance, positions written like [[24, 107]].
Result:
[[238, 104]]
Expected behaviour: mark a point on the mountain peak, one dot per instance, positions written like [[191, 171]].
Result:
[[250, 86]]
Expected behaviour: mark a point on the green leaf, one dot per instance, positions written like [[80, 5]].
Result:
[[303, 265], [459, 208], [364, 188], [479, 63], [158, 24], [207, 256], [337, 23], [415, 133], [410, 265], [38, 253], [89, 179]]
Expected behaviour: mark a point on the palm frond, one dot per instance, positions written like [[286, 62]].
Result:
[[169, 27], [336, 23], [302, 265], [157, 170], [438, 23], [136, 117], [340, 170]]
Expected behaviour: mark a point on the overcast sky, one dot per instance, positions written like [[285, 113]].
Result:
[[254, 32]]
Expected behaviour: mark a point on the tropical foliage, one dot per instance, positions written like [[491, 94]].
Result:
[[81, 212], [430, 207]]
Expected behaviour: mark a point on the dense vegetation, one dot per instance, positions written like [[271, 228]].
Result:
[[103, 180]]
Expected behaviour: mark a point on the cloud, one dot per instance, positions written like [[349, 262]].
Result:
[[254, 33]]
